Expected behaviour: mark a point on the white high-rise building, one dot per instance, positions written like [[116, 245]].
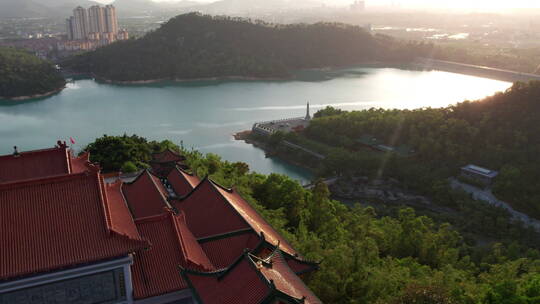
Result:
[[69, 28], [96, 16], [91, 28], [80, 23], [111, 20], [358, 6]]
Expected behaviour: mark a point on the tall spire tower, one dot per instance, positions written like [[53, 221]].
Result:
[[308, 116]]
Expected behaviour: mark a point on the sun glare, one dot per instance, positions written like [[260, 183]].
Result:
[[468, 4]]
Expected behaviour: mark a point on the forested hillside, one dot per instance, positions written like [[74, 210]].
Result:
[[194, 46], [498, 132], [365, 258], [23, 74]]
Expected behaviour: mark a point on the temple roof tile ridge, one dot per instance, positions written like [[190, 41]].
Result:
[[40, 180], [137, 205], [186, 240], [161, 157], [258, 265], [183, 198], [117, 187], [32, 152]]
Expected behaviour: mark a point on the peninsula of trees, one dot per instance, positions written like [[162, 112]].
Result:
[[23, 75], [499, 132], [194, 46]]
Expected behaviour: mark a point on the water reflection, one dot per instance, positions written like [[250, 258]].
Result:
[[206, 116]]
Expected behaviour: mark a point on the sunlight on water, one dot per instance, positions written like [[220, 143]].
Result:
[[205, 115]]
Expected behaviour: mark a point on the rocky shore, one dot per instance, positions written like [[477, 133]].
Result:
[[374, 192], [247, 138], [35, 96]]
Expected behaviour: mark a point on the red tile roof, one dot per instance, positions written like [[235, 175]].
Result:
[[78, 164], [225, 251], [72, 218], [145, 196], [240, 284], [60, 222], [155, 271], [182, 182], [250, 280], [286, 281], [167, 156], [207, 212], [254, 219], [210, 202], [191, 249], [159, 185], [120, 216], [34, 164]]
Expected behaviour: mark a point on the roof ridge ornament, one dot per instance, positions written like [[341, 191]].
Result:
[[271, 256], [229, 190], [16, 152], [61, 144], [264, 261]]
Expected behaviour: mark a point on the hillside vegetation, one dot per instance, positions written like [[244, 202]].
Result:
[[499, 132], [195, 46], [366, 258], [23, 74]]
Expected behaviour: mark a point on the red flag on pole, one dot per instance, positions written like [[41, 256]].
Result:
[[72, 140]]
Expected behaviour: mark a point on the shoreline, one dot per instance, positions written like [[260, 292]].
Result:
[[35, 96], [186, 80], [244, 136], [430, 64], [419, 64], [243, 78]]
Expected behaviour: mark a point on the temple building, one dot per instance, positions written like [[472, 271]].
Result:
[[286, 125], [67, 236]]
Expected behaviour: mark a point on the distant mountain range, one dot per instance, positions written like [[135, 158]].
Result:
[[60, 8], [40, 8], [146, 7], [246, 6]]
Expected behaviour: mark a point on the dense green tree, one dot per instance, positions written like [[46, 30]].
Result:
[[129, 167], [194, 46], [125, 153], [328, 111], [415, 294], [23, 74], [499, 132]]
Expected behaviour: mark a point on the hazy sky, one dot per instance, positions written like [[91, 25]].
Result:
[[485, 4], [489, 4]]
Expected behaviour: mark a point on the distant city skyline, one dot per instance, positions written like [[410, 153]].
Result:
[[90, 28]]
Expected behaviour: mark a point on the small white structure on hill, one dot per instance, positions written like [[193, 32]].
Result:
[[287, 125], [479, 174]]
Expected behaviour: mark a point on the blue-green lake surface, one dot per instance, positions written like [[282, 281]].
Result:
[[206, 114]]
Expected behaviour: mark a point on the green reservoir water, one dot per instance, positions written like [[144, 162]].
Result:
[[205, 115]]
